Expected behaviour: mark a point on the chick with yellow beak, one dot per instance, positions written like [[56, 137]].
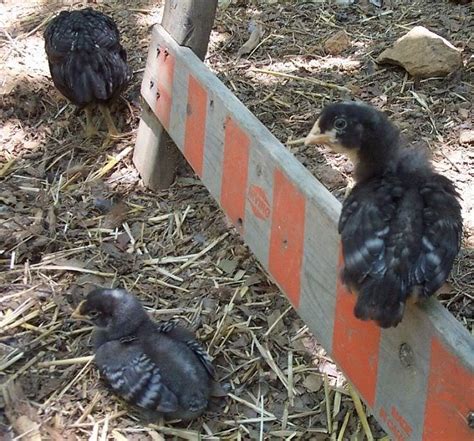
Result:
[[400, 225]]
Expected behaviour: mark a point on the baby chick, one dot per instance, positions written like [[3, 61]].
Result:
[[156, 366], [401, 224], [87, 61]]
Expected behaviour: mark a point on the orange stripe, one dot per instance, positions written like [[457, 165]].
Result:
[[402, 422], [450, 397], [195, 125], [235, 173], [165, 74], [287, 236], [395, 432], [355, 344]]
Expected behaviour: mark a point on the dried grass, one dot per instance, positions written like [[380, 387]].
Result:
[[73, 215]]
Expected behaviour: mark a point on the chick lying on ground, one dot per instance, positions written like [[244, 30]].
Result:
[[87, 62], [155, 366], [401, 224]]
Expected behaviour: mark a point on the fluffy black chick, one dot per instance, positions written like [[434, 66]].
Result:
[[87, 62], [154, 366], [401, 224]]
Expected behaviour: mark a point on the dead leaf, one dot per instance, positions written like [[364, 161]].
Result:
[[22, 416], [228, 265], [337, 43], [446, 288], [256, 33], [123, 239], [464, 113], [116, 216], [254, 279], [272, 318], [72, 262], [313, 382]]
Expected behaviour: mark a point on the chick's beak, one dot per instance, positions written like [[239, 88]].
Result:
[[316, 137], [77, 314]]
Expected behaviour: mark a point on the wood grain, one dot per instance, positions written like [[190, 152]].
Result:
[[155, 156]]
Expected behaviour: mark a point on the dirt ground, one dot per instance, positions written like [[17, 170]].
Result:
[[73, 214]]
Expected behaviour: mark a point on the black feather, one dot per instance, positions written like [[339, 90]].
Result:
[[181, 334]]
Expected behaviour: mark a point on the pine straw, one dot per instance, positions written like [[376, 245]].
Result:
[[74, 215]]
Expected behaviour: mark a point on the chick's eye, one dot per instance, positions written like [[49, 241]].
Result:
[[94, 314], [340, 123]]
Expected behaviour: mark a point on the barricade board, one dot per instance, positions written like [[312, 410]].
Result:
[[418, 379]]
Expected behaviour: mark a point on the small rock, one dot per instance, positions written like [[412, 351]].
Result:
[[466, 137], [338, 43], [423, 54]]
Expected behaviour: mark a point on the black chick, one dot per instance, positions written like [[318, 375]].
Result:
[[87, 62], [154, 366], [401, 224]]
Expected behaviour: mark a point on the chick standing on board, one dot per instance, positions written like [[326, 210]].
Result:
[[153, 366], [87, 62], [401, 224]]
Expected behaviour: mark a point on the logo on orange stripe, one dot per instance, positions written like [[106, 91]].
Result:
[[259, 202]]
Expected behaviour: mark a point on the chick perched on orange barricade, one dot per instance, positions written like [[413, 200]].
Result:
[[401, 224]]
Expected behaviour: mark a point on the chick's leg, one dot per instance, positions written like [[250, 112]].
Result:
[[108, 120], [91, 130]]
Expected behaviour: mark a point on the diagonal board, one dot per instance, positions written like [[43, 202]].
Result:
[[418, 378]]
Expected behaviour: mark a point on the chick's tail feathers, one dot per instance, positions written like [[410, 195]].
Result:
[[381, 300]]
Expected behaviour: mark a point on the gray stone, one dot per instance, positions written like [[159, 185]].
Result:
[[423, 54]]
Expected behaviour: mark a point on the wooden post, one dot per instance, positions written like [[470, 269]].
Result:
[[156, 157]]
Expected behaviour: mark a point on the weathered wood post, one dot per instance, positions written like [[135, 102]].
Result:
[[156, 157]]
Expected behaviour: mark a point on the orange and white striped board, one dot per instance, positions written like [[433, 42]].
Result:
[[418, 378]]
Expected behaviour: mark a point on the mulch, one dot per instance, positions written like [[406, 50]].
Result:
[[74, 214]]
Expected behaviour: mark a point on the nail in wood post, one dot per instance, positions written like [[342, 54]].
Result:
[[156, 157]]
